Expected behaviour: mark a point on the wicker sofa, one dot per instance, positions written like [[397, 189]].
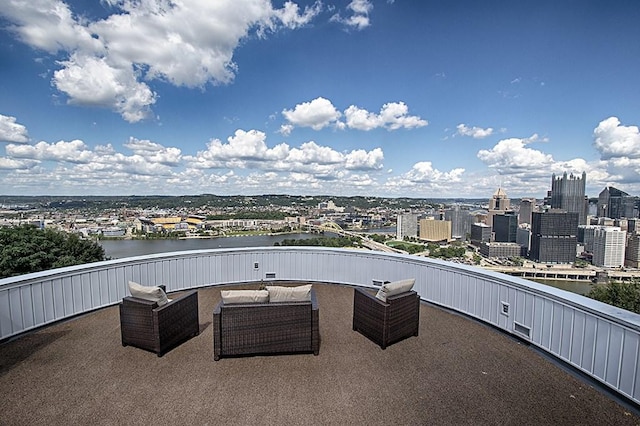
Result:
[[266, 328]]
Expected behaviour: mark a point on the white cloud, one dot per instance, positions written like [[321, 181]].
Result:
[[317, 114], [613, 140], [91, 81], [11, 131], [359, 18], [393, 116], [106, 60], [474, 132], [511, 155], [72, 152], [154, 152]]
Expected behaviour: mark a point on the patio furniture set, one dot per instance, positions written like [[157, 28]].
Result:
[[274, 320]]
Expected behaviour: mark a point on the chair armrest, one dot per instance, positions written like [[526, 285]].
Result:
[[371, 297], [178, 300]]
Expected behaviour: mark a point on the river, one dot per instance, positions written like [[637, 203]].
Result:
[[118, 249]]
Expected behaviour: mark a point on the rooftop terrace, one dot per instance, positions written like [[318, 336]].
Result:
[[457, 371]]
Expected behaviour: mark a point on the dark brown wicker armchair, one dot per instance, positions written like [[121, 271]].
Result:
[[155, 328], [388, 322]]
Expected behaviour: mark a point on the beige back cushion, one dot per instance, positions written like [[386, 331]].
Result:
[[301, 293], [396, 287], [154, 294], [244, 296]]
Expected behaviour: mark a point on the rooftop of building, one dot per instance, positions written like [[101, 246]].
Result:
[[457, 371]]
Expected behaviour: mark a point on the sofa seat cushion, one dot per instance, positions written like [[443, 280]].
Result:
[[244, 296], [154, 294], [396, 287], [301, 293]]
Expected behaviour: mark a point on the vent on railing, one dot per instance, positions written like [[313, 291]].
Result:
[[270, 275], [504, 308], [522, 329]]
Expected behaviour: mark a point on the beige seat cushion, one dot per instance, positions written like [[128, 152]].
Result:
[[301, 293], [154, 294], [396, 287], [244, 296]]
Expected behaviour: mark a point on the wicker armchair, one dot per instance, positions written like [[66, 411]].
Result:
[[388, 322], [148, 326]]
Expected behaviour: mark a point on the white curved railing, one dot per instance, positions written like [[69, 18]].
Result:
[[598, 339]]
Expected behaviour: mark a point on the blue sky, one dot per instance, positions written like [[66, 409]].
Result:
[[375, 98]]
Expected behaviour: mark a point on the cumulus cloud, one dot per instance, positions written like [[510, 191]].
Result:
[[91, 81], [11, 131], [109, 62], [320, 113], [614, 140], [512, 155], [474, 132], [359, 15], [392, 116], [317, 114], [249, 150]]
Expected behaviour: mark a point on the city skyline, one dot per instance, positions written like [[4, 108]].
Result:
[[373, 98]]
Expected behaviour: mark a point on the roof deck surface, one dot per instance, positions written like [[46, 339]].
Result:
[[457, 371]]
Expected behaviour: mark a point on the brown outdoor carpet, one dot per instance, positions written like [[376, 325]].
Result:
[[456, 372]]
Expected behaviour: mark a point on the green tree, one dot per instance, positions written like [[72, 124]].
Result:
[[622, 295], [27, 249]]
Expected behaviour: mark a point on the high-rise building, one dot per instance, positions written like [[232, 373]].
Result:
[[407, 225], [527, 206], [553, 236], [608, 247], [435, 230], [523, 237], [632, 252], [459, 224], [498, 204], [615, 204], [568, 193], [505, 227], [480, 233]]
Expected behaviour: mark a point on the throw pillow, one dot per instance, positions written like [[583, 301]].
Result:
[[396, 287], [301, 293], [154, 294], [244, 296]]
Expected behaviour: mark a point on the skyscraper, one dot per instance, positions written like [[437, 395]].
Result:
[[407, 225], [498, 204], [505, 227], [527, 206], [615, 204], [567, 193], [608, 247], [554, 236]]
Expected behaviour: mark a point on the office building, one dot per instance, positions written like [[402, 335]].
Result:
[[480, 233], [615, 204], [505, 227], [553, 236], [568, 193], [435, 230], [460, 226], [632, 251], [608, 247], [498, 204], [523, 237], [502, 250], [527, 206], [407, 226]]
